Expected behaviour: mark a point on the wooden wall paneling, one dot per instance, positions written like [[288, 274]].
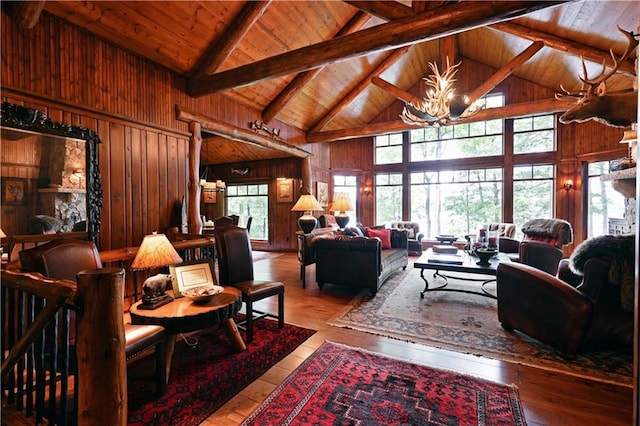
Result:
[[136, 168], [163, 183], [153, 181], [117, 180]]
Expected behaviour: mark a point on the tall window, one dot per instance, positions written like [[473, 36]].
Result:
[[606, 205], [388, 149], [348, 185], [534, 134], [480, 139], [455, 201], [533, 189], [251, 200], [388, 197]]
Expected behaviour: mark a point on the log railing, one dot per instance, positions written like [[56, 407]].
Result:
[[37, 375], [40, 377]]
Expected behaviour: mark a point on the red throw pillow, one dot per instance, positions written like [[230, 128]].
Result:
[[383, 234]]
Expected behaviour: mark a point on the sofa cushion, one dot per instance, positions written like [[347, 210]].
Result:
[[388, 257], [383, 234]]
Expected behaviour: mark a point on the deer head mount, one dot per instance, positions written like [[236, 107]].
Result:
[[617, 109]]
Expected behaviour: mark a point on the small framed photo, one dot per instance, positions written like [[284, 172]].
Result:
[[210, 196], [285, 191], [14, 191], [189, 275], [322, 188]]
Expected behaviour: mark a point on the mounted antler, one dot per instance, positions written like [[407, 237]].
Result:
[[617, 109]]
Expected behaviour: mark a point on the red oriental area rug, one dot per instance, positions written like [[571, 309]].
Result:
[[340, 385], [206, 373]]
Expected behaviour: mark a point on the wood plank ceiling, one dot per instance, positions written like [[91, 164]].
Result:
[[310, 63]]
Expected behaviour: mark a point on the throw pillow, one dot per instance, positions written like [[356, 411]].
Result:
[[383, 234]]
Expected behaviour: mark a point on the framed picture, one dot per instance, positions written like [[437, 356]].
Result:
[[322, 188], [188, 275], [210, 196], [285, 191], [14, 191]]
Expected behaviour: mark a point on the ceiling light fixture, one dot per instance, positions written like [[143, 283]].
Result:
[[441, 105]]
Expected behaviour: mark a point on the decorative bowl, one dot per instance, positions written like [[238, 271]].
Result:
[[446, 239], [484, 254], [203, 294]]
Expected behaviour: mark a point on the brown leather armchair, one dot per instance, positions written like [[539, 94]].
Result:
[[569, 312], [542, 244], [62, 259]]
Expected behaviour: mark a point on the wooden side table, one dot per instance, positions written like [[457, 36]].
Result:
[[183, 316]]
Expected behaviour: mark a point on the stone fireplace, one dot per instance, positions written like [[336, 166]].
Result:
[[64, 196]]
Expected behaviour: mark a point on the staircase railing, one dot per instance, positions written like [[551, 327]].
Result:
[[41, 377]]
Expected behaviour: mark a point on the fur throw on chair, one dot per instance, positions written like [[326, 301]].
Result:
[[549, 228], [619, 250]]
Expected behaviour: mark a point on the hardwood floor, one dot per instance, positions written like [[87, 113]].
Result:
[[548, 398]]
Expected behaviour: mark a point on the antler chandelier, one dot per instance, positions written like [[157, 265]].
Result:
[[441, 105]]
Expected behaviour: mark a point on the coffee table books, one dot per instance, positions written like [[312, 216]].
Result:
[[445, 248], [445, 258]]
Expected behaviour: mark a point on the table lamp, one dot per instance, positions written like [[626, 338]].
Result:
[[155, 252], [341, 205], [307, 203]]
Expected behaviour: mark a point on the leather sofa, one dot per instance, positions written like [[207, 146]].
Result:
[[415, 236], [359, 261], [571, 312]]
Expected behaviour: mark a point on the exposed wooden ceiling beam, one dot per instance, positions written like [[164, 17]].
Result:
[[401, 32], [387, 10], [505, 71], [562, 44], [230, 131], [403, 95], [482, 90], [363, 84], [220, 50], [25, 13], [516, 110], [298, 83]]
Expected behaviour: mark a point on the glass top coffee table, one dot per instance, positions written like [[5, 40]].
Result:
[[458, 262]]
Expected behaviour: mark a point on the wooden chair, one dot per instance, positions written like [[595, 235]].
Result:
[[63, 259], [235, 267]]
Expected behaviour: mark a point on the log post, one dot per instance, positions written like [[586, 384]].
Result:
[[195, 145], [305, 184], [102, 365]]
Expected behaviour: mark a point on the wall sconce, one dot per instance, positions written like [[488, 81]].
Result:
[[568, 185], [366, 190]]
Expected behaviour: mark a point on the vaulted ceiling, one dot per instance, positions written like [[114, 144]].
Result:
[[310, 63]]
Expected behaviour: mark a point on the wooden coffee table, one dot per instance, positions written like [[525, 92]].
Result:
[[183, 316], [464, 263]]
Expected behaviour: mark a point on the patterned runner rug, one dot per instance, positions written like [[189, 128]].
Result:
[[340, 385], [467, 323], [206, 373]]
